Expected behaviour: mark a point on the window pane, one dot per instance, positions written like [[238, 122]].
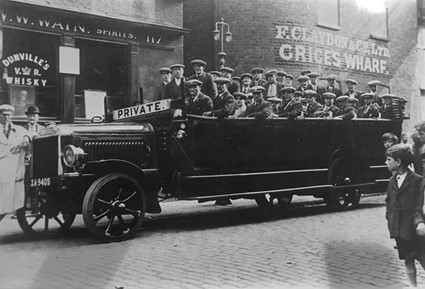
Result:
[[328, 12]]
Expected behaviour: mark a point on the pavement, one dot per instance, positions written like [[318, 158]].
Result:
[[193, 245]]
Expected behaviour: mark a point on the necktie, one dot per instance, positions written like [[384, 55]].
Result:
[[6, 130]]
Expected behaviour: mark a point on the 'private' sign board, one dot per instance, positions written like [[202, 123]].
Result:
[[139, 110]]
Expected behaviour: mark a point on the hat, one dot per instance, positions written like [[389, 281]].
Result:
[[236, 78], [352, 99], [331, 77], [247, 75], [165, 69], [257, 69], [304, 100], [281, 72], [328, 95], [198, 61], [289, 89], [303, 78], [7, 107], [274, 100], [290, 76], [350, 81], [305, 72], [192, 82], [215, 72], [240, 94], [228, 69], [313, 74], [176, 66], [299, 93], [387, 95], [373, 82], [367, 94], [310, 92], [342, 97], [32, 110], [257, 88], [221, 80], [271, 72]]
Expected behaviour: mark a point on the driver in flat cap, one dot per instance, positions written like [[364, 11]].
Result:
[[14, 142], [208, 86], [198, 103]]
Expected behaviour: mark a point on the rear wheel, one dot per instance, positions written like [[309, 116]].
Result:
[[114, 207]]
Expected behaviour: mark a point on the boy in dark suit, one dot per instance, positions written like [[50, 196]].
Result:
[[175, 89], [404, 209]]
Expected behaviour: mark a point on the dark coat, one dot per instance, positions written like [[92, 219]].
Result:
[[209, 87], [175, 92], [260, 82], [223, 105], [386, 111], [356, 95], [233, 87], [38, 127], [279, 94], [291, 110], [320, 90], [334, 90], [314, 109], [261, 109], [347, 112], [368, 111], [404, 206], [202, 104], [332, 111], [159, 91]]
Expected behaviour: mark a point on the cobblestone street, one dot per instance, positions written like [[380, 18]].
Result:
[[195, 245]]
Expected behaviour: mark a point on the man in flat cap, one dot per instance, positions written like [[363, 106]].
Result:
[[257, 73], [260, 108], [14, 142], [315, 86], [224, 103], [293, 108], [347, 111], [331, 87], [208, 85], [329, 110], [226, 72], [246, 80], [287, 94], [373, 88], [198, 102], [313, 108], [240, 106], [386, 108], [176, 89], [280, 77], [272, 88], [351, 92], [159, 91], [303, 83], [215, 74], [288, 79], [370, 109]]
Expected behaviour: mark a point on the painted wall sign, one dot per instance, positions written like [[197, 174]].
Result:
[[302, 44], [25, 69]]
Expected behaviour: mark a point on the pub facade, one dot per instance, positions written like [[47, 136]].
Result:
[[67, 56]]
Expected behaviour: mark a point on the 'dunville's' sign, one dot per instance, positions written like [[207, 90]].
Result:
[[300, 44], [26, 69]]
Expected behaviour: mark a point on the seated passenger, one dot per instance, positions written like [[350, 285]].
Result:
[[198, 103], [240, 106], [329, 109], [224, 103], [287, 94], [386, 108], [246, 80], [260, 108], [293, 108], [347, 111], [272, 87], [304, 104], [369, 109], [313, 108], [276, 105]]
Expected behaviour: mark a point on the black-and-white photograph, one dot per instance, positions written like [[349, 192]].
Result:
[[203, 144]]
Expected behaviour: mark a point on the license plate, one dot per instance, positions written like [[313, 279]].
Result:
[[40, 182]]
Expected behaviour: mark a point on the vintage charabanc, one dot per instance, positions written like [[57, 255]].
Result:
[[111, 172]]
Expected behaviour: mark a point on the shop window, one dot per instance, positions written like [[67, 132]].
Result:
[[103, 72], [29, 71], [328, 13]]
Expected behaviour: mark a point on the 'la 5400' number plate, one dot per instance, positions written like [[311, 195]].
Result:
[[40, 182]]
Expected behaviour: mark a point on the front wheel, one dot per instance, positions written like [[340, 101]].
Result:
[[114, 207]]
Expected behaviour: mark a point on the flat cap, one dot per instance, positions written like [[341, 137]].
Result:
[[165, 70], [299, 93], [328, 95], [257, 69], [342, 97], [198, 61], [240, 94], [221, 80], [236, 78], [313, 74], [274, 100], [7, 107], [281, 73], [303, 78], [310, 92], [305, 72], [215, 72], [289, 89], [351, 81], [331, 77], [290, 76], [271, 72], [228, 69], [257, 88], [192, 82], [366, 95], [177, 65], [352, 99], [373, 82], [387, 95], [247, 75]]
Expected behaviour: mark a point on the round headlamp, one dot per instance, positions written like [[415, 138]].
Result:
[[72, 155]]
